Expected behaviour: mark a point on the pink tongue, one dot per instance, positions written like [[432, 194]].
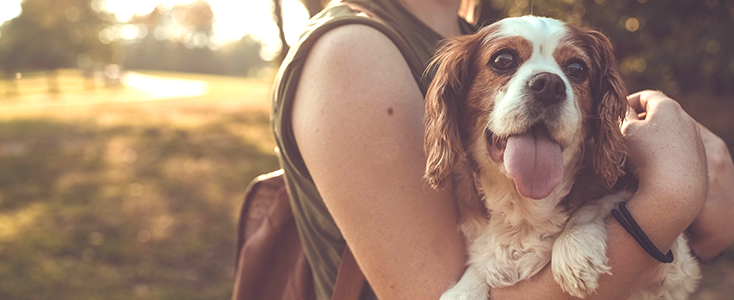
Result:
[[535, 162]]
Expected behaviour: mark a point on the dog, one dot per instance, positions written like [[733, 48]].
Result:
[[524, 117]]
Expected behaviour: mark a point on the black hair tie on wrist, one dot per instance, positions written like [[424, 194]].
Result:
[[636, 232]]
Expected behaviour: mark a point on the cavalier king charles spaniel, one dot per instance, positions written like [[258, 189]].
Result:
[[524, 117]]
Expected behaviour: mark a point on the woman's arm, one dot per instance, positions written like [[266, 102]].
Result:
[[358, 121], [713, 229]]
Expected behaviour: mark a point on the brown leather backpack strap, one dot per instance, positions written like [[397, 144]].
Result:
[[349, 280]]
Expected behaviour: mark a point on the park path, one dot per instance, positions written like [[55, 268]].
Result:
[[137, 88], [160, 88]]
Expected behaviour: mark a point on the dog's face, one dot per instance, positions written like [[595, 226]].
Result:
[[526, 98]]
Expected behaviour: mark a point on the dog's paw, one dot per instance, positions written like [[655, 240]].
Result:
[[471, 286], [579, 258], [475, 293]]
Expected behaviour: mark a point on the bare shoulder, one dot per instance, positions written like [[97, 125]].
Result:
[[357, 59], [354, 78], [356, 46]]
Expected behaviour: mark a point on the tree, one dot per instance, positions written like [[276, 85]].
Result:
[[313, 7], [278, 16], [198, 16], [51, 34], [180, 39]]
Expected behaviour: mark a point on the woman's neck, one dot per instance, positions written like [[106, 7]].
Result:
[[440, 15]]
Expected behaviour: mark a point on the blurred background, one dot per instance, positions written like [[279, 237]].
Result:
[[129, 129]]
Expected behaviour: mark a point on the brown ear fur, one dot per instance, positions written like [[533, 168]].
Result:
[[442, 142], [610, 105]]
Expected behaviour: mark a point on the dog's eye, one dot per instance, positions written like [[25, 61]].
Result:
[[504, 61], [576, 70]]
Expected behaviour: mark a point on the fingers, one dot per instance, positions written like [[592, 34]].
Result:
[[634, 102], [639, 101], [631, 115], [647, 103], [643, 101]]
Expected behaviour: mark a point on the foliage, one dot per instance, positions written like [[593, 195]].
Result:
[[674, 46], [237, 58], [51, 34], [181, 39]]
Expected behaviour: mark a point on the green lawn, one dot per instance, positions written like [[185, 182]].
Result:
[[104, 198]]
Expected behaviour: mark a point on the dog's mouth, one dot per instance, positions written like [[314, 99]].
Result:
[[532, 159], [496, 145]]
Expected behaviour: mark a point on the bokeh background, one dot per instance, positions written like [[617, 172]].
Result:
[[129, 129]]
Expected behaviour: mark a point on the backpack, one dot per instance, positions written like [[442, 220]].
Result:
[[270, 262]]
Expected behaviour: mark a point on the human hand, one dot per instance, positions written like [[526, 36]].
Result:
[[713, 230], [666, 153]]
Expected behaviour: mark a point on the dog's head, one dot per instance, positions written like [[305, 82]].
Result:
[[527, 98]]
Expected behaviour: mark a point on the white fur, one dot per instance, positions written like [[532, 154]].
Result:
[[520, 236], [511, 103]]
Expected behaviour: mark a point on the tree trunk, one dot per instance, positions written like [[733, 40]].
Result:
[[278, 15]]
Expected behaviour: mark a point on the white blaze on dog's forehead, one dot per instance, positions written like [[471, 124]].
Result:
[[492, 35], [543, 33]]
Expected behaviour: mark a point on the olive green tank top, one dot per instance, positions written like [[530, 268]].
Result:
[[322, 241]]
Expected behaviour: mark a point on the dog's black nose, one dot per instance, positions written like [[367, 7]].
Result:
[[547, 88]]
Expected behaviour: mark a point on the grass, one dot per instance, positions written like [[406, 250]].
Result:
[[127, 200], [113, 194]]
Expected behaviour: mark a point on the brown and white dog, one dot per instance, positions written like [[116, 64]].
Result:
[[517, 115]]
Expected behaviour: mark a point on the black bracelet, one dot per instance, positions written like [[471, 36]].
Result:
[[629, 224]]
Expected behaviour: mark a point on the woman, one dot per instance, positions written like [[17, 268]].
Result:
[[348, 118]]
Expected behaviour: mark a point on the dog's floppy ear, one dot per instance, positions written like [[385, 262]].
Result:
[[442, 143], [610, 105]]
